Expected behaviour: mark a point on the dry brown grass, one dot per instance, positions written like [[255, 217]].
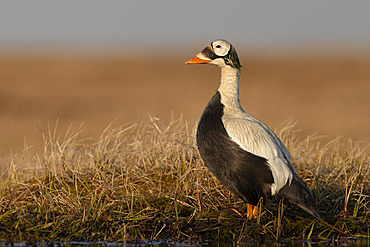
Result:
[[324, 94], [147, 181]]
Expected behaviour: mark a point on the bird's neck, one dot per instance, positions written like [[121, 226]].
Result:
[[229, 88]]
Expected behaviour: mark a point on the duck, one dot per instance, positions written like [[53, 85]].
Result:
[[243, 153]]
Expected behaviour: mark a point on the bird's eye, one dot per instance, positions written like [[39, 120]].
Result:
[[218, 46]]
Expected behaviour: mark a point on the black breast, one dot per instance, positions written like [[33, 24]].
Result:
[[245, 174]]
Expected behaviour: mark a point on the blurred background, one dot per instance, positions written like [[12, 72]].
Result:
[[96, 62]]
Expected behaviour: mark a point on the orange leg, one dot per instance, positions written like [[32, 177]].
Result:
[[251, 211]]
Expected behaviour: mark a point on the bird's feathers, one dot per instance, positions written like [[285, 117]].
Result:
[[246, 175], [256, 138], [242, 152]]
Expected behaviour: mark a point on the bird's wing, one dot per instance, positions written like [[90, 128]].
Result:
[[287, 158], [255, 137]]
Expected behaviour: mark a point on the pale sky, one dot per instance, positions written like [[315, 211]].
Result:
[[167, 22]]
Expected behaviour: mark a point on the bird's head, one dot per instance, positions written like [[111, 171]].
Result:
[[219, 52]]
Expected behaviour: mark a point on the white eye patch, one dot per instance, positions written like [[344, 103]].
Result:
[[220, 47]]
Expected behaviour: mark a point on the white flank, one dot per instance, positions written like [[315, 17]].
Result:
[[251, 134]]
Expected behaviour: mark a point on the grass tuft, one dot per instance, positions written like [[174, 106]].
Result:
[[147, 181]]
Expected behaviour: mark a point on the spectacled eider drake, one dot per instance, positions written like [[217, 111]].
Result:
[[241, 151]]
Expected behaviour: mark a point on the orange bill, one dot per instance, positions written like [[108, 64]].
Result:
[[197, 60]]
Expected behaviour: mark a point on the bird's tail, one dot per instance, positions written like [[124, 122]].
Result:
[[294, 193], [309, 209]]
